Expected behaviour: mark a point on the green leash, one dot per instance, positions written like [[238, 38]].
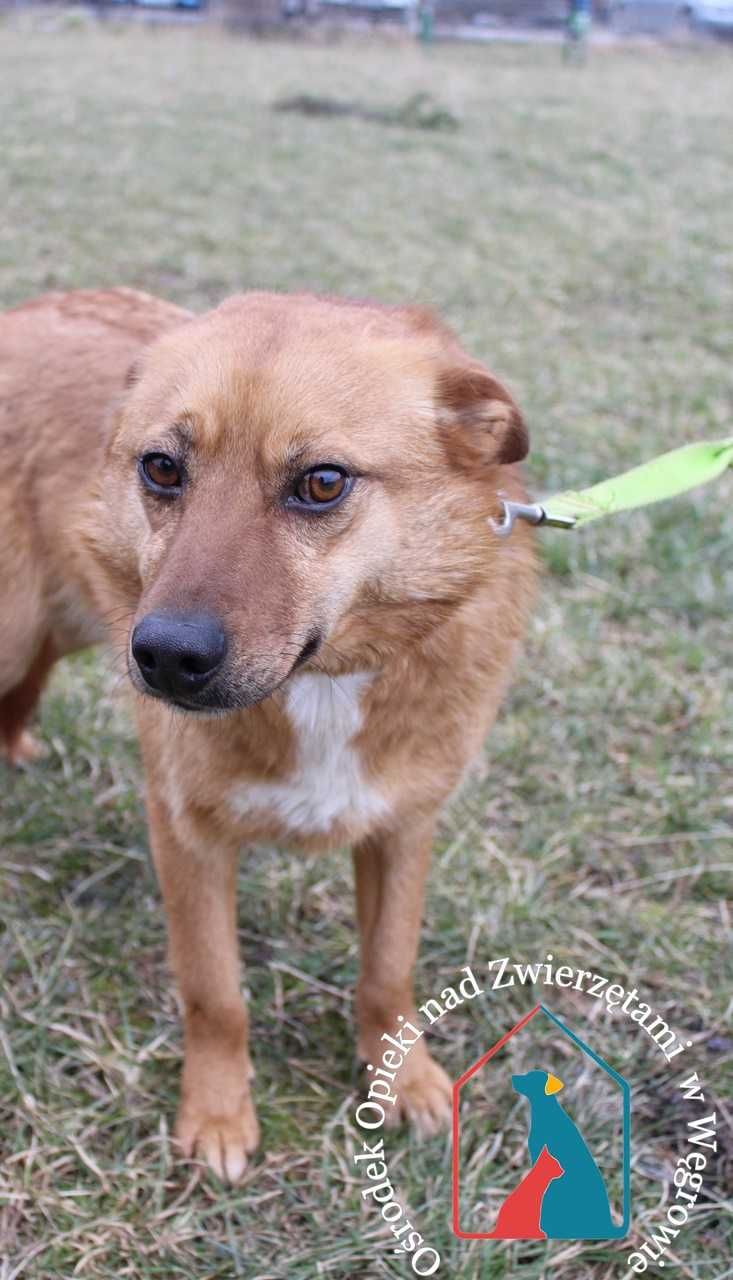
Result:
[[664, 477]]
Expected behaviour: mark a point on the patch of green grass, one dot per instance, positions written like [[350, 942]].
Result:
[[576, 231]]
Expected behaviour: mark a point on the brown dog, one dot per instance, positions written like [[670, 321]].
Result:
[[278, 511]]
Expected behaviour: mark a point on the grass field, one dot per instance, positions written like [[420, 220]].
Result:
[[576, 230]]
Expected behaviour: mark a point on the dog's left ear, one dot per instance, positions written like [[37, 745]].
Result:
[[481, 424]]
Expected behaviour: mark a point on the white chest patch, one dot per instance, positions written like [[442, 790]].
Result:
[[327, 784]]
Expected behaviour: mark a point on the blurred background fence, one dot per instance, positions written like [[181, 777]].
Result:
[[477, 19]]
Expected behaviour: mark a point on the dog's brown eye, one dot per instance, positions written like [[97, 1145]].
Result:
[[161, 472], [322, 487]]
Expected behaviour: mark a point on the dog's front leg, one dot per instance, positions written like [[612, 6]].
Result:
[[216, 1118], [390, 872]]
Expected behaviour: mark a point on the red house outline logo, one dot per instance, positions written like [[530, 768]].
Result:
[[619, 1232]]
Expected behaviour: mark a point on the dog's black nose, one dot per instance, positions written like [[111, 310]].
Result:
[[177, 654]]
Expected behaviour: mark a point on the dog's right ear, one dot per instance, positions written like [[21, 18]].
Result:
[[480, 422]]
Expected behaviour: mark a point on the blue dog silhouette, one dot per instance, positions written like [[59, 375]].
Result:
[[575, 1206]]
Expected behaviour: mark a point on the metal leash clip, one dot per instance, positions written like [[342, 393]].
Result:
[[533, 512]]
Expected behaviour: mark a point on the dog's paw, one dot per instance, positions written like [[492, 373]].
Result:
[[223, 1141], [424, 1096], [23, 749]]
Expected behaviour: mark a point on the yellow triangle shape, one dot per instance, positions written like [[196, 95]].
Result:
[[553, 1085]]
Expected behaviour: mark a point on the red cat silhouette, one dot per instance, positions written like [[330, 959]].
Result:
[[519, 1216]]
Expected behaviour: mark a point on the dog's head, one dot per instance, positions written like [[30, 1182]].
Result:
[[294, 480], [536, 1085]]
